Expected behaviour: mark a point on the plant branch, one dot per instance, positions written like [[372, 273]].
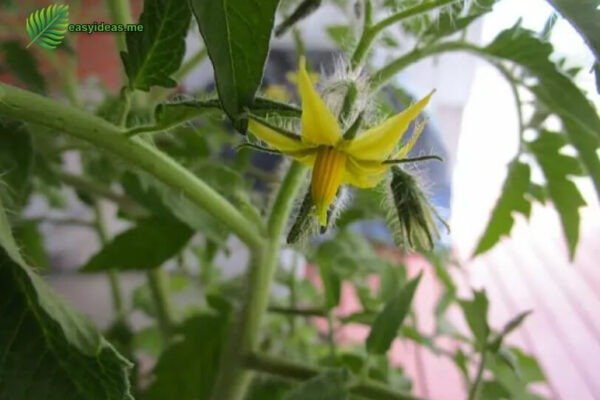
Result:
[[476, 386], [370, 32], [113, 277], [27, 106], [365, 388], [120, 13], [160, 298], [301, 312], [233, 379]]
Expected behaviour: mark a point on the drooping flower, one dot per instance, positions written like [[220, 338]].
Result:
[[336, 159]]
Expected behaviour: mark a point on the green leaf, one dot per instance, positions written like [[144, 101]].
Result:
[[492, 390], [22, 64], [47, 26], [476, 312], [341, 35], [332, 285], [389, 320], [165, 203], [557, 91], [145, 246], [510, 326], [584, 16], [512, 199], [16, 162], [49, 351], [156, 53], [557, 169], [268, 388], [236, 34], [455, 18], [31, 243], [393, 277], [330, 385], [188, 368]]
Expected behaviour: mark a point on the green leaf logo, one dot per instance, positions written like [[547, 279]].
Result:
[[47, 26]]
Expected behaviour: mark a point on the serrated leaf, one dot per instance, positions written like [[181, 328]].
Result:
[[145, 246], [476, 313], [454, 18], [584, 16], [562, 191], [22, 64], [330, 385], [389, 320], [16, 162], [187, 370], [47, 350], [236, 34], [47, 26], [557, 91], [156, 53], [512, 199]]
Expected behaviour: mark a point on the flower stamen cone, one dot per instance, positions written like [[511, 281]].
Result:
[[327, 175]]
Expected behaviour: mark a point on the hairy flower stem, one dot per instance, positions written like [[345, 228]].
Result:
[[233, 379]]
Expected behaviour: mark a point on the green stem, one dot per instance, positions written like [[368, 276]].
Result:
[[113, 277], [386, 73], [366, 388], [125, 107], [158, 290], [27, 106], [120, 13], [300, 312], [233, 379], [476, 387], [370, 33], [331, 335]]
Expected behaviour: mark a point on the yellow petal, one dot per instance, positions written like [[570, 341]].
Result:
[[404, 150], [378, 143], [327, 176], [275, 139], [319, 125], [364, 174]]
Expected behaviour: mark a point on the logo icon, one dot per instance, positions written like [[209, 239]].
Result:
[[47, 26]]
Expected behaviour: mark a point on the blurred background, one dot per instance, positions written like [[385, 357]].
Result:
[[473, 123]]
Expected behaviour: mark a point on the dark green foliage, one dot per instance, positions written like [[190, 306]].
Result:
[[156, 53]]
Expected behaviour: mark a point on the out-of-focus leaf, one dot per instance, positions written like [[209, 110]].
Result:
[[492, 390], [510, 326], [558, 168], [557, 91], [529, 367], [268, 388], [23, 65], [512, 199], [165, 203], [16, 162], [156, 53], [584, 16], [145, 246], [388, 322], [149, 340], [392, 278], [330, 385], [236, 34], [332, 285], [341, 35], [475, 312], [188, 368], [455, 18], [49, 350], [31, 243], [515, 372]]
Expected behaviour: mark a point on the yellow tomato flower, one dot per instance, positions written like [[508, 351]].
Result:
[[361, 162]]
